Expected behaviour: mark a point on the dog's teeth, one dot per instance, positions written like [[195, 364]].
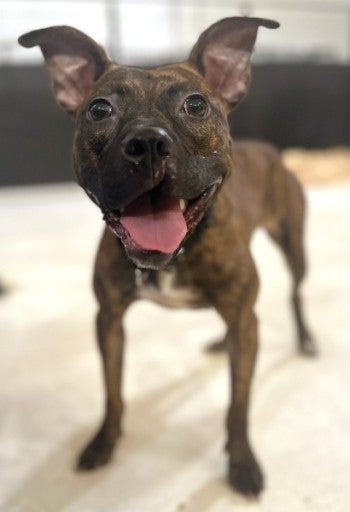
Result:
[[182, 205]]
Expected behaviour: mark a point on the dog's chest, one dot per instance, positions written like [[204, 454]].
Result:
[[166, 289]]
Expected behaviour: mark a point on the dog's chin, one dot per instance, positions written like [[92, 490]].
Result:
[[177, 219], [153, 260]]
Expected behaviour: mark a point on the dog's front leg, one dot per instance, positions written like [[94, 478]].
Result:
[[241, 341], [235, 304], [114, 283], [111, 343]]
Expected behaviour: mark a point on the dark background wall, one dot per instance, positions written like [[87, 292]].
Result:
[[36, 135], [291, 105], [297, 105]]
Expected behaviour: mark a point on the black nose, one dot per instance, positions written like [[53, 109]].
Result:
[[150, 143]]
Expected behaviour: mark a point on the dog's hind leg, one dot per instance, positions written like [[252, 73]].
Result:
[[217, 346], [288, 234]]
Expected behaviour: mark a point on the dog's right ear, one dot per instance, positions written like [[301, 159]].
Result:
[[222, 55], [74, 61]]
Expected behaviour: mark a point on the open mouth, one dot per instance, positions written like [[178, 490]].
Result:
[[157, 222]]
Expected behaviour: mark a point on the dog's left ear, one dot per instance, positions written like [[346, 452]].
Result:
[[74, 61], [222, 54]]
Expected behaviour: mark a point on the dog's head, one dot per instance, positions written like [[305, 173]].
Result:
[[151, 147]]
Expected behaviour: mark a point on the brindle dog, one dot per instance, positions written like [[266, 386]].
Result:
[[152, 149]]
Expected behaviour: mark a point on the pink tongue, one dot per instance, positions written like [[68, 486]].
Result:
[[155, 226]]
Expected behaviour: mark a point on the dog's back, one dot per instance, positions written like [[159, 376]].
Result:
[[260, 191]]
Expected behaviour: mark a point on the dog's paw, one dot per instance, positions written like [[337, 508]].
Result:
[[216, 347], [307, 346], [97, 453], [245, 476]]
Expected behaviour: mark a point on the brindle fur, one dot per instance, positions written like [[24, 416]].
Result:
[[215, 266]]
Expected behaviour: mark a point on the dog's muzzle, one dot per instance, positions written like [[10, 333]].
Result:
[[139, 201]]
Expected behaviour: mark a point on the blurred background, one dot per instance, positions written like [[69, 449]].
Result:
[[298, 97]]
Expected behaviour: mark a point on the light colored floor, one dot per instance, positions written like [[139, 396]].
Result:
[[171, 457]]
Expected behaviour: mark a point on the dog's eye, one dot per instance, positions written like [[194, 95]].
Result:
[[196, 106], [100, 109]]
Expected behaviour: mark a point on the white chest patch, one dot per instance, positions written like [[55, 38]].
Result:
[[167, 292]]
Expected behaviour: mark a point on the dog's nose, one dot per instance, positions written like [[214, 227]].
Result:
[[146, 143]]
